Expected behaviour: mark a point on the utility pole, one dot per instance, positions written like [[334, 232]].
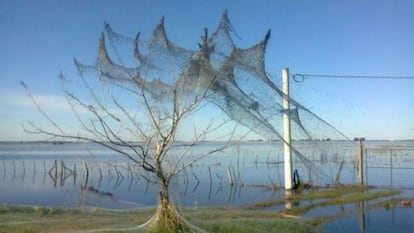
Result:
[[360, 160], [286, 129]]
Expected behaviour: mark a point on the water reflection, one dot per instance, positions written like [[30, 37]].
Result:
[[73, 181], [56, 175], [288, 202], [377, 220], [361, 216]]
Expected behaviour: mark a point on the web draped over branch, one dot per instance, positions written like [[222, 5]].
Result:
[[233, 79]]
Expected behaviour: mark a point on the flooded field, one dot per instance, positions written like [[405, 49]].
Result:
[[55, 175], [88, 176], [396, 220]]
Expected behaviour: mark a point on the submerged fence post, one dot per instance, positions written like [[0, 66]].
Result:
[[360, 160], [286, 129]]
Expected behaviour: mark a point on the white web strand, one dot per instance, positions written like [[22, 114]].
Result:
[[235, 78]]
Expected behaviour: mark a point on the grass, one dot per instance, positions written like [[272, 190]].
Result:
[[226, 220], [334, 192], [312, 194], [242, 220], [338, 195], [39, 219], [340, 200], [249, 226]]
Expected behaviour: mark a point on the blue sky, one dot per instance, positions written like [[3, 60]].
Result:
[[39, 39]]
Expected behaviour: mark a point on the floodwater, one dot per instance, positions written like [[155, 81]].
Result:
[[28, 176], [48, 174], [397, 220]]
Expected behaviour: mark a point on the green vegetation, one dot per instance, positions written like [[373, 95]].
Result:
[[338, 195], [350, 198], [39, 219], [228, 220], [334, 192], [312, 193], [248, 226], [241, 220]]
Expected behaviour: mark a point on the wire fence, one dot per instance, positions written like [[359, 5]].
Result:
[[391, 167]]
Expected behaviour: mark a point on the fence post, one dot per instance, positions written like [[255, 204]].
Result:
[[286, 129], [366, 166], [391, 167], [85, 164], [360, 161]]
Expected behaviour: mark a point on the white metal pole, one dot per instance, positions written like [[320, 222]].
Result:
[[360, 161], [286, 129]]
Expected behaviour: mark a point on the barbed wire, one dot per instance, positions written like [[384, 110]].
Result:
[[301, 77]]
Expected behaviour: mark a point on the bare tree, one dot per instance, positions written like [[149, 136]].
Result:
[[138, 112], [142, 109]]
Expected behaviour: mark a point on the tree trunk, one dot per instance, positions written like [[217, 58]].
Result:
[[167, 217]]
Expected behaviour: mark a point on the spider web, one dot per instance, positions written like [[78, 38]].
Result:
[[235, 79]]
